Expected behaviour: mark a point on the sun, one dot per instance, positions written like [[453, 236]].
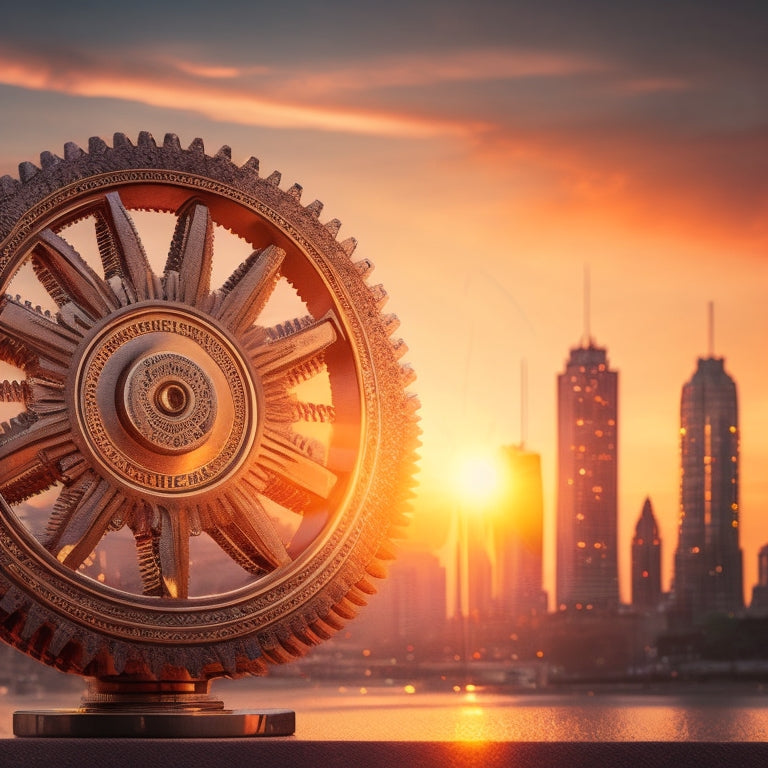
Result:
[[478, 479]]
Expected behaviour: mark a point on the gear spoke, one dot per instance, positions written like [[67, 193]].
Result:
[[149, 565], [173, 553], [65, 505], [284, 458], [125, 263], [33, 335], [245, 532], [87, 523], [295, 347], [29, 451], [249, 288], [67, 278], [190, 256]]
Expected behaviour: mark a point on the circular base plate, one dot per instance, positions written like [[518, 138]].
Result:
[[163, 725]]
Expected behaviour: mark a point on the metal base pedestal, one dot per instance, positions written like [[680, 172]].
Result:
[[154, 724]]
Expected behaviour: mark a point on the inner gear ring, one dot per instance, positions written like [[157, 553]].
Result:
[[186, 402]]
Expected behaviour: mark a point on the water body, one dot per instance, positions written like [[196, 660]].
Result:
[[397, 714]]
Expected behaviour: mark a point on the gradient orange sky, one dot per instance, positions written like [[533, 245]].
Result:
[[482, 154]]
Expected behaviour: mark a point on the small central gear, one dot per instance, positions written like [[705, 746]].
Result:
[[170, 403], [185, 402]]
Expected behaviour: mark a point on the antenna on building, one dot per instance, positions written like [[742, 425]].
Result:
[[523, 402], [587, 340], [711, 330]]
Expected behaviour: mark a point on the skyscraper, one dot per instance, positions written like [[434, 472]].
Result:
[[760, 590], [646, 561], [518, 536], [587, 564], [708, 561]]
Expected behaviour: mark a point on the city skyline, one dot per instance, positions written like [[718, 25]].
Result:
[[481, 154]]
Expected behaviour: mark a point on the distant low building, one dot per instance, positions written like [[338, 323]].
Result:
[[518, 533], [646, 562], [759, 602]]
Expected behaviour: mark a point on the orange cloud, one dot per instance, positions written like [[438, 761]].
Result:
[[240, 105], [453, 66]]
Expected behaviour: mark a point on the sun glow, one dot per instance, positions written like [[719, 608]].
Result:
[[478, 479]]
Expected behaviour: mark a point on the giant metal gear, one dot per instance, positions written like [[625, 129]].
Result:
[[200, 471]]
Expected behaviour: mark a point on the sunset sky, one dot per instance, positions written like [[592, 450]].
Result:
[[483, 154]]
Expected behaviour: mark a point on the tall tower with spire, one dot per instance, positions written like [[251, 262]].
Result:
[[708, 561], [646, 561], [587, 407]]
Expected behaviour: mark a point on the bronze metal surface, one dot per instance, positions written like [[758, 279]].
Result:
[[200, 476]]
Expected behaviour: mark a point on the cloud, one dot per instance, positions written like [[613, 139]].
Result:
[[187, 87], [590, 137], [454, 66]]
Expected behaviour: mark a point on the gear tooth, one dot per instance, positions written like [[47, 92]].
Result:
[[379, 294], [118, 651], [349, 246], [390, 322], [377, 569], [146, 139], [366, 586], [315, 207], [346, 609], [226, 655], [198, 146], [121, 141], [412, 403], [399, 347], [48, 160], [386, 551], [33, 621], [72, 151], [225, 153], [27, 170], [274, 178], [8, 185], [97, 145], [171, 141], [251, 164], [364, 267], [295, 192], [89, 647], [61, 636], [333, 226], [156, 664], [408, 374]]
